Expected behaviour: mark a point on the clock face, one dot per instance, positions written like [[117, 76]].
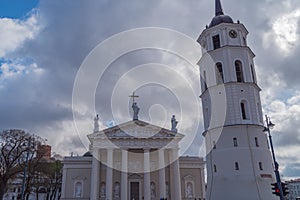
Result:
[[232, 33]]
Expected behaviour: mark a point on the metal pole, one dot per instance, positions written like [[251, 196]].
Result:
[[276, 165]]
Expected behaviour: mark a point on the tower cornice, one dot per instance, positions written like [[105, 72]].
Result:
[[208, 53], [231, 83], [234, 125]]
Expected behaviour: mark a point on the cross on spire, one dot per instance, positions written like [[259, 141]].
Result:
[[133, 96], [219, 10]]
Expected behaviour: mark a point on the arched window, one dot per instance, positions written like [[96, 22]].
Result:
[[219, 73], [260, 113], [204, 80], [239, 71], [236, 164], [235, 142], [260, 165], [78, 189], [244, 110], [216, 41], [256, 142], [253, 74]]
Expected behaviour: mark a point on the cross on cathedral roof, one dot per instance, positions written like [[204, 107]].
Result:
[[133, 96], [135, 107]]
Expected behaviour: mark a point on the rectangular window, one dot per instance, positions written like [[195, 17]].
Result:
[[235, 143], [260, 166], [256, 142], [216, 41], [237, 166]]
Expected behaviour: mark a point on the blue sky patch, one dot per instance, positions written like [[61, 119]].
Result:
[[16, 8]]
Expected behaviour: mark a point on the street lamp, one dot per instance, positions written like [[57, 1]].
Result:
[[270, 125]]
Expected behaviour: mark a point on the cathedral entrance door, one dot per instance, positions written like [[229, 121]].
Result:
[[134, 191]]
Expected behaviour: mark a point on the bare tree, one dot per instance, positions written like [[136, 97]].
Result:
[[18, 150], [46, 176]]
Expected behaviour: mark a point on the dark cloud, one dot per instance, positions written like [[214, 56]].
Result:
[[71, 29]]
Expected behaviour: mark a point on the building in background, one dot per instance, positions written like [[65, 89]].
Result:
[[294, 189]]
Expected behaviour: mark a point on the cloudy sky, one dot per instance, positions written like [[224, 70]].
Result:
[[45, 43]]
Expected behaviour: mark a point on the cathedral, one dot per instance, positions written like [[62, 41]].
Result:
[[133, 160], [137, 160]]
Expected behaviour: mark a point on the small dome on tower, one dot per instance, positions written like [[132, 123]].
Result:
[[219, 17]]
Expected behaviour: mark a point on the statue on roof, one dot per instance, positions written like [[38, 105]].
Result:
[[174, 124], [96, 123], [136, 110]]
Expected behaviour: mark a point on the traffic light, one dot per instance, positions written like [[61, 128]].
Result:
[[285, 189], [275, 189]]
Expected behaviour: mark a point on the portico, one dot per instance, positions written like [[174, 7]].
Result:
[[137, 161]]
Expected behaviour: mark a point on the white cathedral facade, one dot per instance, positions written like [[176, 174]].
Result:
[[137, 160]]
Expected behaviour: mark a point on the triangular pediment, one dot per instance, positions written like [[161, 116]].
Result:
[[135, 129]]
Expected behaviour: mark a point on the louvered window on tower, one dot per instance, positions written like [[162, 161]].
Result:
[[244, 110], [219, 73], [239, 71], [216, 41]]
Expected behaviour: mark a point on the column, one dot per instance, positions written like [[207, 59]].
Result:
[[203, 192], [147, 189], [176, 175], [95, 175], [63, 186], [109, 174], [124, 176], [162, 174]]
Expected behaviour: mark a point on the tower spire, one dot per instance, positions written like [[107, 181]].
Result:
[[219, 10]]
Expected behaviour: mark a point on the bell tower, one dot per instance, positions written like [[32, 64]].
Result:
[[239, 163]]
